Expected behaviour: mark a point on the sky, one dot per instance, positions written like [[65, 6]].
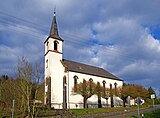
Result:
[[121, 36]]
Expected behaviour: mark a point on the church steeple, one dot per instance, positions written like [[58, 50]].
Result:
[[53, 66], [54, 28]]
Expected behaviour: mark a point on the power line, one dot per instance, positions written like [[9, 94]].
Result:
[[74, 39], [19, 19], [69, 39], [42, 26], [31, 34], [77, 42], [11, 25]]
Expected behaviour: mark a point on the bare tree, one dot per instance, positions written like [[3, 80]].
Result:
[[24, 74], [111, 95], [106, 92], [29, 77], [37, 76], [86, 89], [99, 94]]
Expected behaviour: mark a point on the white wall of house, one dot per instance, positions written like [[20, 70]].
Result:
[[132, 102], [76, 99], [55, 70]]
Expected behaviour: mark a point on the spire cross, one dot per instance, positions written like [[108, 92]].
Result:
[[54, 10]]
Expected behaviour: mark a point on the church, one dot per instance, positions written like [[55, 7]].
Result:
[[61, 75]]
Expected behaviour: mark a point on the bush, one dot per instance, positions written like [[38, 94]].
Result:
[[154, 114], [157, 101]]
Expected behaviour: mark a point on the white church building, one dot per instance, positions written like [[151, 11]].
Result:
[[62, 75]]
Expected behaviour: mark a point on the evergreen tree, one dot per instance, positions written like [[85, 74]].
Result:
[[151, 91]]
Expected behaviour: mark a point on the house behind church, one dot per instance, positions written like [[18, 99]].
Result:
[[62, 75]]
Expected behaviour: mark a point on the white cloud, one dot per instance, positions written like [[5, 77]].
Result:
[[7, 60], [152, 44], [119, 33], [21, 41], [134, 53]]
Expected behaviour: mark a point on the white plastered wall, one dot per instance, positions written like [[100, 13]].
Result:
[[76, 99], [51, 45], [55, 70]]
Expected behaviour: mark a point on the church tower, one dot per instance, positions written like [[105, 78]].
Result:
[[54, 69]]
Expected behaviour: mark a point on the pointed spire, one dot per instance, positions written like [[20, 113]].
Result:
[[54, 28]]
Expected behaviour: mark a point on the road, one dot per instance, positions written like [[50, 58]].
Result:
[[130, 113], [118, 114]]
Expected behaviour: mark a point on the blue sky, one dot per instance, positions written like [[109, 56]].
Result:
[[121, 36]]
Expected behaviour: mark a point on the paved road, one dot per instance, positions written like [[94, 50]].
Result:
[[118, 114], [133, 112]]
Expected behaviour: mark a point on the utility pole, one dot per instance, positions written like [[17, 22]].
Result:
[[138, 111], [138, 101], [153, 97]]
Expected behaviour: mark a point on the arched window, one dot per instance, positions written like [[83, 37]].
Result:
[[104, 88], [104, 82], [48, 93], [115, 85], [64, 80], [84, 85], [47, 63], [75, 82], [111, 96], [99, 95], [115, 88], [91, 80], [91, 85], [47, 45], [56, 45], [64, 92], [111, 90], [98, 88]]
